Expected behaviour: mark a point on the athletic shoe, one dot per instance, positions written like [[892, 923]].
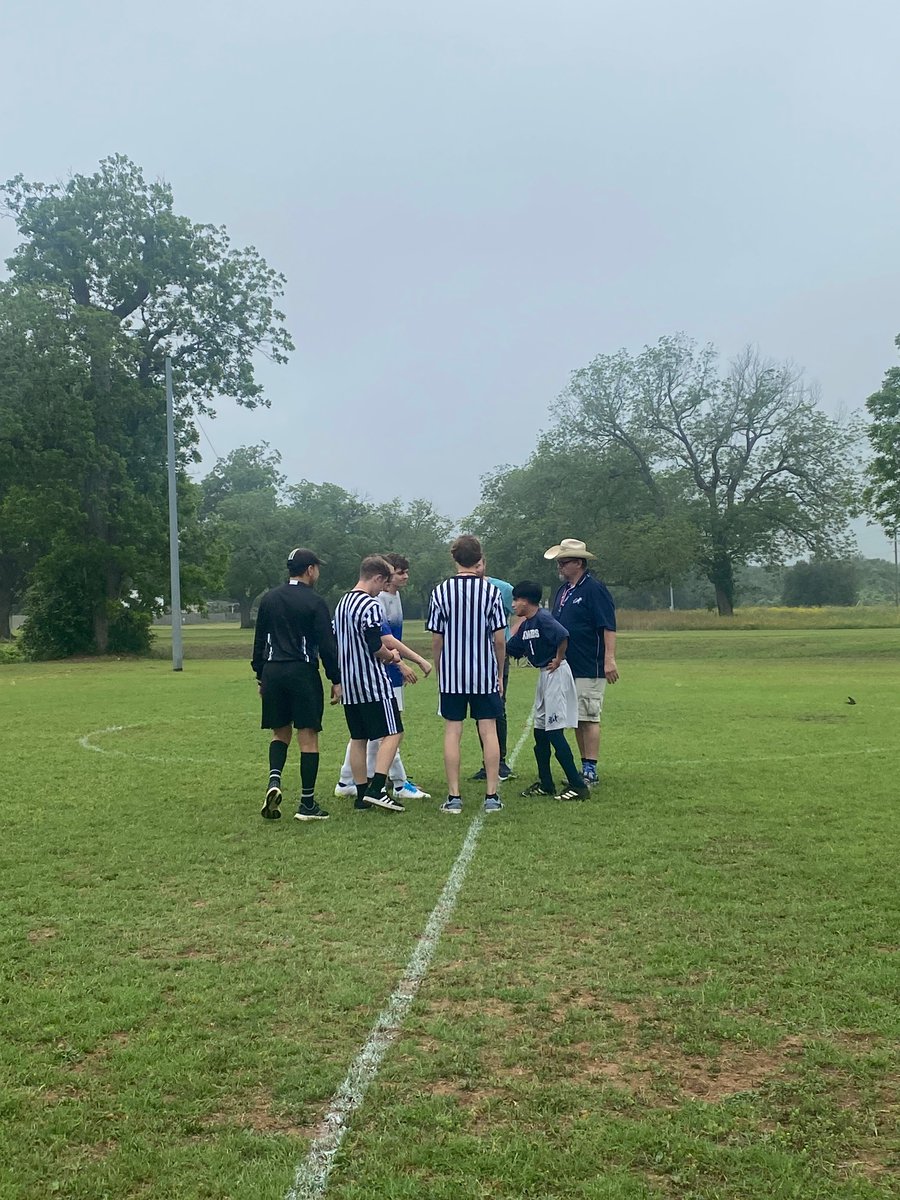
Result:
[[270, 809], [409, 791], [383, 800], [536, 789], [590, 775], [573, 793], [311, 812], [480, 775], [452, 804], [345, 789], [492, 804], [505, 772], [362, 805]]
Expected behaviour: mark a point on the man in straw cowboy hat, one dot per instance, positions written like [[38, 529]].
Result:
[[585, 608]]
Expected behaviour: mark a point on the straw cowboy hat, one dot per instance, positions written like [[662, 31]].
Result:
[[569, 548]]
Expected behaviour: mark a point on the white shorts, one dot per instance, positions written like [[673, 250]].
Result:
[[555, 699], [590, 699], [398, 696]]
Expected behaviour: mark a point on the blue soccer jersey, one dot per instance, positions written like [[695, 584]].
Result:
[[537, 639]]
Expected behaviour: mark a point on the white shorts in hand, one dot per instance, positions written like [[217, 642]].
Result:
[[555, 700]]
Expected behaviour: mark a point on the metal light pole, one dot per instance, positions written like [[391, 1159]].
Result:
[[174, 567]]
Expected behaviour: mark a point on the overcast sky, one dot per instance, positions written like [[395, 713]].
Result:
[[470, 200]]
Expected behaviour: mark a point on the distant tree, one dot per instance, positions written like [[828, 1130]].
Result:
[[140, 283], [242, 495], [765, 469], [821, 582], [882, 495], [597, 497], [418, 531]]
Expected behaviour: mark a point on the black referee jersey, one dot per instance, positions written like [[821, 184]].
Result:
[[294, 625], [467, 611]]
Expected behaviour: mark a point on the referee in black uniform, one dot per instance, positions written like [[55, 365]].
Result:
[[293, 630]]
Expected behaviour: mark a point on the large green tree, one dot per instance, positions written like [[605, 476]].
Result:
[[764, 468], [882, 495], [600, 497], [145, 283]]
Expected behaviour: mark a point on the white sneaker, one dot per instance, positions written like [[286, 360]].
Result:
[[408, 791], [345, 789]]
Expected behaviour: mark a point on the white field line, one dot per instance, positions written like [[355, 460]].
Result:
[[311, 1176], [87, 743]]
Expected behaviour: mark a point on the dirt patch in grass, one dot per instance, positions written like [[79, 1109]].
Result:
[[258, 1113], [44, 934]]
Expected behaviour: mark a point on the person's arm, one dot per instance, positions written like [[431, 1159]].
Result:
[[610, 670], [559, 657], [259, 641], [437, 646], [405, 652], [500, 651], [327, 643]]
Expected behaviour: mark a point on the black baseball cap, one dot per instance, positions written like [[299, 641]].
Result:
[[300, 560]]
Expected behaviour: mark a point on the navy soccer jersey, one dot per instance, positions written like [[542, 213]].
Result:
[[586, 610], [358, 620], [537, 639], [467, 611]]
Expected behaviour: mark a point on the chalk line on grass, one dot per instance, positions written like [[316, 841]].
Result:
[[311, 1176]]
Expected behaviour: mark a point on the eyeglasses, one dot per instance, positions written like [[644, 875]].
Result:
[[564, 562]]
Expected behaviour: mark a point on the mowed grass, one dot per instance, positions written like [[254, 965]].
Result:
[[686, 987]]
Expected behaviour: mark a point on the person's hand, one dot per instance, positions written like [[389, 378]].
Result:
[[409, 675], [425, 667], [500, 685], [554, 665], [610, 670], [336, 693]]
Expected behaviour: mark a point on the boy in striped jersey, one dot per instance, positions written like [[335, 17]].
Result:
[[370, 707], [468, 627]]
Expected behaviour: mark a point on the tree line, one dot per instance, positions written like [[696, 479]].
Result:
[[677, 468]]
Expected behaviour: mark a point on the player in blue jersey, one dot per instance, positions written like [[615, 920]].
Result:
[[542, 641]]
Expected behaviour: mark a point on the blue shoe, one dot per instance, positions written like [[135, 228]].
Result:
[[505, 772], [492, 804], [452, 804]]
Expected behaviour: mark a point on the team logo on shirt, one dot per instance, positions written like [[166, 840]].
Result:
[[578, 600]]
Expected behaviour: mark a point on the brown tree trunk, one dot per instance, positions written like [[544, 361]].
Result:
[[245, 603], [6, 606]]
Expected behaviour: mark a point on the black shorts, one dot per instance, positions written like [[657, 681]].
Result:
[[482, 705], [372, 720], [292, 694]]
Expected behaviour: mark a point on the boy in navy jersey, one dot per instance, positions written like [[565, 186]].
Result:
[[540, 639]]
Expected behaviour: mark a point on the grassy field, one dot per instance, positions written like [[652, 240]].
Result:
[[685, 987]]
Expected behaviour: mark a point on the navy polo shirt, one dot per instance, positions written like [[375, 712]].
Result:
[[585, 610]]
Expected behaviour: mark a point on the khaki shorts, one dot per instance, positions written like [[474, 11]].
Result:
[[590, 699]]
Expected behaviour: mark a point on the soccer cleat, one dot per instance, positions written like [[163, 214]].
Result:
[[480, 775], [492, 804], [573, 793], [408, 791], [345, 789], [311, 812], [537, 789], [506, 772], [590, 775], [383, 800], [270, 809], [362, 805], [452, 804]]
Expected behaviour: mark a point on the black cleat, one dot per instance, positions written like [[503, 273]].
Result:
[[271, 810], [311, 812], [536, 789]]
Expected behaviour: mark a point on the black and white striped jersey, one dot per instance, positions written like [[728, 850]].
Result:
[[467, 610], [358, 618]]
